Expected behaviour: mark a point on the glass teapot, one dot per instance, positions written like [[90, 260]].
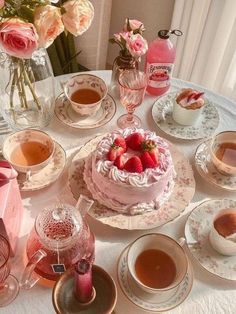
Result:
[[59, 239]]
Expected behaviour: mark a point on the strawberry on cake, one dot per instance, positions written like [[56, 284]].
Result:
[[131, 171]]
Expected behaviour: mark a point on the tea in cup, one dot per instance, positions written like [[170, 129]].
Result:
[[85, 93], [223, 232], [157, 264], [28, 150], [223, 152]]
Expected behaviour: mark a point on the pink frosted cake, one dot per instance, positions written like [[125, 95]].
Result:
[[131, 171]]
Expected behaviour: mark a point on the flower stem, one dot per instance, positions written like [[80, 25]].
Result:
[[21, 79], [26, 77]]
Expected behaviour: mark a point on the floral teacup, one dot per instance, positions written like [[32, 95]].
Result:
[[28, 150], [94, 90]]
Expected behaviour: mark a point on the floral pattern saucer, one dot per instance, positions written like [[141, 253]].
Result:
[[208, 171], [149, 301], [68, 116], [49, 174], [179, 199], [205, 127], [197, 231]]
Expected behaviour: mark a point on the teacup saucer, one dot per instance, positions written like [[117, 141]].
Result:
[[46, 176], [197, 229], [64, 300], [68, 116], [148, 301], [208, 171], [205, 127]]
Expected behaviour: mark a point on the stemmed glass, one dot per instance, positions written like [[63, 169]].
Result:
[[9, 286], [133, 85]]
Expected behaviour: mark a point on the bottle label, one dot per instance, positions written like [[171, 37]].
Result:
[[159, 74]]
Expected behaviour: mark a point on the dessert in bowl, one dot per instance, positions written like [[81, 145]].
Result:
[[131, 171], [223, 232], [187, 106]]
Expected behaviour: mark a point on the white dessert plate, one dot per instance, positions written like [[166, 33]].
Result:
[[197, 229], [179, 199], [208, 171], [148, 301], [49, 174], [68, 116], [204, 127]]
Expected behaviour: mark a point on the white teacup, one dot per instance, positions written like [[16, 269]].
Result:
[[226, 138], [29, 150], [85, 82], [161, 242], [225, 245]]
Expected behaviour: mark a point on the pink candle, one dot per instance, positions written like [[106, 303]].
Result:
[[83, 281]]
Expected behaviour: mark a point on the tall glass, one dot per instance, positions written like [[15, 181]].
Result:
[[9, 287], [133, 85]]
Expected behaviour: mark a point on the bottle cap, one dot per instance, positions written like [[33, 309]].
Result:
[[165, 34]]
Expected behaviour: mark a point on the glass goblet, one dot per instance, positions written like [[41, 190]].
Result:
[[133, 85], [9, 286]]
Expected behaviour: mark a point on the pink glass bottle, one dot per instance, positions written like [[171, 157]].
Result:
[[160, 61]]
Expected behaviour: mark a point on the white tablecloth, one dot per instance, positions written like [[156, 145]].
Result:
[[209, 294]]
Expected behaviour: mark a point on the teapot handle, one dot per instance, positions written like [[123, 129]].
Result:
[[83, 205], [28, 280]]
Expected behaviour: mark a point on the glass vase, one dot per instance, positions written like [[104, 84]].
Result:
[[121, 63], [27, 91]]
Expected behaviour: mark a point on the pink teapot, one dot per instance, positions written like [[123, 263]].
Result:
[[59, 239]]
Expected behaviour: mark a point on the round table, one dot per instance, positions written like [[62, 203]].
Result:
[[209, 293]]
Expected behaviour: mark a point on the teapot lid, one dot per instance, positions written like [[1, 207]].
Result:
[[59, 226]]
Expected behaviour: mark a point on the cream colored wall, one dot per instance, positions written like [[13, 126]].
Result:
[[155, 14]]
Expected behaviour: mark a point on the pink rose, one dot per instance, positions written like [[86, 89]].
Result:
[[124, 35], [78, 16], [136, 45], [134, 25], [18, 38], [2, 3], [48, 23]]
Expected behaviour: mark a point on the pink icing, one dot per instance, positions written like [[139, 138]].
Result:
[[120, 189]]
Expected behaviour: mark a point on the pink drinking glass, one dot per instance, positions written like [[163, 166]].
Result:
[[133, 85], [9, 286]]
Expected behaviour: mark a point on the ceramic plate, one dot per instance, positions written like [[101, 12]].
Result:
[[64, 300], [68, 116], [205, 126], [149, 301], [47, 175], [182, 193], [197, 231], [208, 171]]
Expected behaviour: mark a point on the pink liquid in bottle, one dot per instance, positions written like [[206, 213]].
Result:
[[160, 62]]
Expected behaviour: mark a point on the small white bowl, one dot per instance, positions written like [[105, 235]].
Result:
[[85, 81], [222, 245], [27, 135], [185, 116]]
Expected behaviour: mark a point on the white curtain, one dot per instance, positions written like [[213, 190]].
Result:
[[94, 42], [206, 54]]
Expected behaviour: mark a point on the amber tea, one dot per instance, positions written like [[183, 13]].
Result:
[[85, 96], [30, 153], [226, 152], [155, 269]]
